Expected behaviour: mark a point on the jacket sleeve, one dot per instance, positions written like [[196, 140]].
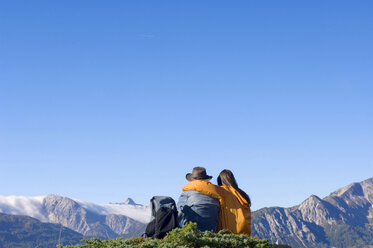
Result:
[[181, 204]]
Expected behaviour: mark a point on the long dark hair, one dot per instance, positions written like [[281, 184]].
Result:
[[226, 177]]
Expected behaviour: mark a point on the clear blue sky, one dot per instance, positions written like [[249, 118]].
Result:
[[101, 100]]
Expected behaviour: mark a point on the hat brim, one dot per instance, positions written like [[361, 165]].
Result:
[[189, 177]]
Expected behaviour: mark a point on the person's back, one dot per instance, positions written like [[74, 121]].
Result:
[[197, 207], [235, 214], [199, 201]]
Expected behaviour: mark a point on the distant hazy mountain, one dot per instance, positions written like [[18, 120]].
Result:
[[18, 231], [104, 221], [342, 219]]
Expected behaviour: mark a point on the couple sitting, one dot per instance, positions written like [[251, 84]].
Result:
[[214, 207]]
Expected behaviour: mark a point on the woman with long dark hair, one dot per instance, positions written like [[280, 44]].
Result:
[[235, 214]]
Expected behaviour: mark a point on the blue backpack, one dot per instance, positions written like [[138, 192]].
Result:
[[164, 217]]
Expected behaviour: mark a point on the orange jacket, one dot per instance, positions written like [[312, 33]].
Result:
[[235, 213], [205, 188]]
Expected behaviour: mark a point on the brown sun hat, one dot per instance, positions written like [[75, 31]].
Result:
[[198, 173]]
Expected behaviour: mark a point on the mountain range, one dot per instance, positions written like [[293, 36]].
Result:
[[104, 221], [343, 219]]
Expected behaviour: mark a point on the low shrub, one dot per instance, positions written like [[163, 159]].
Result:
[[187, 237]]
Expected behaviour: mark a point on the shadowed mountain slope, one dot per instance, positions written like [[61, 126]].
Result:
[[17, 231]]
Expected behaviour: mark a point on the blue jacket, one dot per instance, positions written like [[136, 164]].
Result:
[[194, 206]]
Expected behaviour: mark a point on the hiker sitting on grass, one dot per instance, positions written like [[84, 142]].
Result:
[[235, 214], [199, 201]]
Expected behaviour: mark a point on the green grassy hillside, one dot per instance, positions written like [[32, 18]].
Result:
[[187, 237]]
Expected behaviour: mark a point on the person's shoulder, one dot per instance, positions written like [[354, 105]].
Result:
[[238, 196], [196, 184], [225, 191], [224, 187], [188, 192]]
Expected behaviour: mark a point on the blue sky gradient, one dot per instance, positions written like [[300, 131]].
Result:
[[103, 100]]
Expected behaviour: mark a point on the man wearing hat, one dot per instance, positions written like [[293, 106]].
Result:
[[200, 201]]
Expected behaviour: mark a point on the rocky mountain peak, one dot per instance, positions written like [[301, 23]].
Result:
[[368, 181], [316, 210], [74, 215], [353, 196], [367, 186], [130, 201], [352, 189], [310, 203], [313, 199]]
